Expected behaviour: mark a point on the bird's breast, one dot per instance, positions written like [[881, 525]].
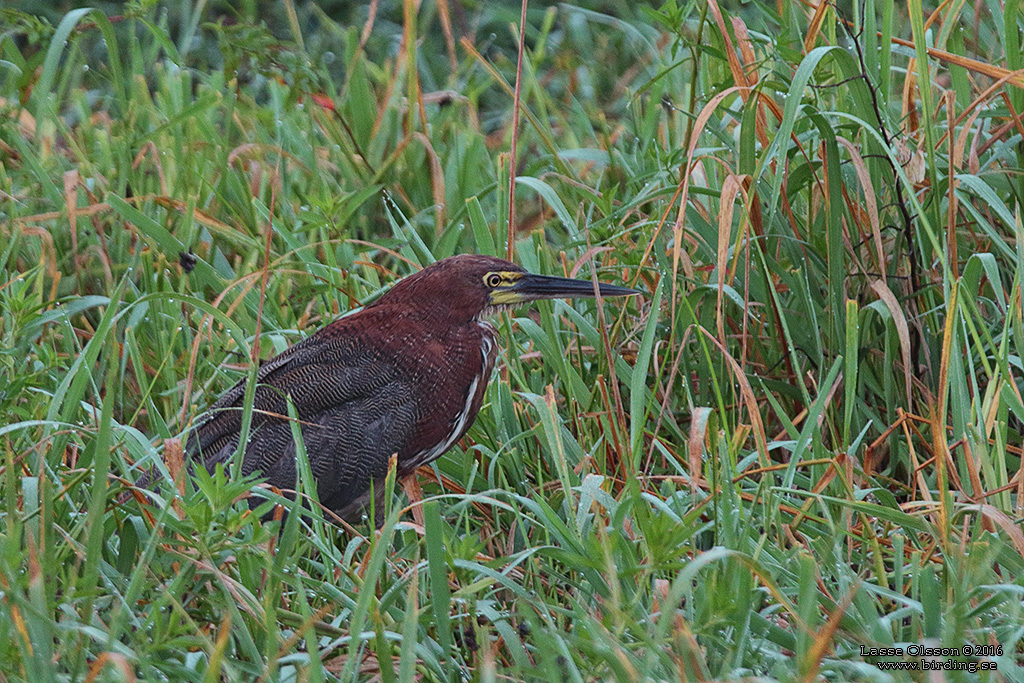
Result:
[[454, 393]]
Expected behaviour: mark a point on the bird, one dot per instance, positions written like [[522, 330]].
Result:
[[405, 375]]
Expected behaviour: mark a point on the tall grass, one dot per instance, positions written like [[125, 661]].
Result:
[[804, 439]]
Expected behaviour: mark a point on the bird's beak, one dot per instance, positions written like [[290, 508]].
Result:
[[531, 287]]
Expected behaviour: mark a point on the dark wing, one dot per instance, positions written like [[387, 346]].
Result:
[[355, 410]]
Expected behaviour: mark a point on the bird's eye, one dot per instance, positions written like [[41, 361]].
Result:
[[492, 280]]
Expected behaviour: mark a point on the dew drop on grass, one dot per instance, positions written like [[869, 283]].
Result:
[[85, 67], [328, 57]]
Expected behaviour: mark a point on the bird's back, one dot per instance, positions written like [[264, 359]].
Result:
[[378, 382]]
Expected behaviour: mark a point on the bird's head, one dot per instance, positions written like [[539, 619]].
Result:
[[473, 286]]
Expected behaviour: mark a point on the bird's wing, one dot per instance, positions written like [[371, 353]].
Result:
[[355, 410], [222, 422]]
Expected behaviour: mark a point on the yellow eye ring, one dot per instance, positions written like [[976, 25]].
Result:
[[492, 280]]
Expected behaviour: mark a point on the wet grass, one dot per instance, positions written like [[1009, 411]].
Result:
[[804, 439]]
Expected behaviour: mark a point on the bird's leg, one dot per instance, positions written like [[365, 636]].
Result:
[[411, 486]]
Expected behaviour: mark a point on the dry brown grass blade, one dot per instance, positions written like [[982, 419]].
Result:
[[820, 485], [119, 661], [908, 99], [870, 204], [657, 231], [154, 154], [972, 111], [746, 47], [936, 15], [1003, 521], [902, 330], [953, 257], [54, 215], [917, 476], [174, 459], [947, 343], [868, 465], [731, 186], [754, 471], [695, 445], [823, 636], [1015, 117], [167, 202], [749, 400], [814, 28], [427, 473], [223, 637], [961, 138], [445, 13], [938, 413], [738, 75], [368, 26], [750, 77], [436, 182], [677, 231], [252, 149], [977, 66], [684, 480], [586, 257], [411, 486]]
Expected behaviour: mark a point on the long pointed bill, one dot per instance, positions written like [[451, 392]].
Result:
[[531, 287]]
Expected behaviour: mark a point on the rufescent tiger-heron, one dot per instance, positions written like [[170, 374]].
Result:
[[405, 375]]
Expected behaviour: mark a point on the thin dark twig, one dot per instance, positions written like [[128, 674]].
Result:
[[823, 86], [908, 227]]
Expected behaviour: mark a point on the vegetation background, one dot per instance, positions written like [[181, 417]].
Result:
[[803, 439]]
